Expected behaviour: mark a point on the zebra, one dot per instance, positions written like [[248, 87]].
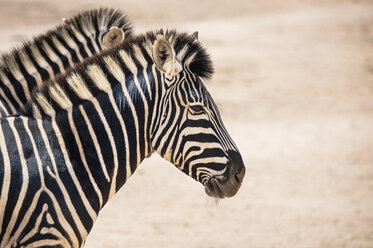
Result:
[[29, 66], [82, 135]]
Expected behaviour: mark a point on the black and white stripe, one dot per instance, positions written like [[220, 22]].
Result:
[[83, 135], [30, 65]]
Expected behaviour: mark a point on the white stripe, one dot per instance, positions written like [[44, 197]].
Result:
[[35, 200], [146, 113], [71, 43], [74, 214], [61, 217], [114, 68], [155, 107], [62, 49], [197, 144], [209, 171], [25, 180], [3, 108], [38, 220], [95, 142], [93, 42], [81, 39], [193, 88], [166, 136], [6, 176], [140, 57], [26, 219], [31, 70], [53, 56], [82, 155], [160, 110], [112, 143], [76, 181], [42, 63], [44, 230], [8, 102], [136, 122], [99, 78], [126, 142], [10, 87], [219, 160], [89, 31]]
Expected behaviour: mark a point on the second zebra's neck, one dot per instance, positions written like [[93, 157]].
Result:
[[29, 66]]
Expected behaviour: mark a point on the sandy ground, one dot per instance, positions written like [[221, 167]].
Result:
[[294, 82]]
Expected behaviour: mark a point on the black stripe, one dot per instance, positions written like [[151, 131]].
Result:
[[88, 40], [42, 72], [17, 89], [5, 103], [30, 80], [64, 176], [44, 199], [33, 173], [128, 117], [16, 174], [117, 133], [54, 66], [139, 107], [80, 45], [89, 150], [71, 51], [102, 137], [63, 58], [97, 32], [78, 166]]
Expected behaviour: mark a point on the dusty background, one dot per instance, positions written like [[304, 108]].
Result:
[[294, 81]]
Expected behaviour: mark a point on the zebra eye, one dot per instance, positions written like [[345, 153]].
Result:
[[196, 109]]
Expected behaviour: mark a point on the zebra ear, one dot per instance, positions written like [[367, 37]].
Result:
[[195, 36], [164, 56], [113, 37]]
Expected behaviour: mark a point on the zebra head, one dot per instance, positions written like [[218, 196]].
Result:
[[188, 130]]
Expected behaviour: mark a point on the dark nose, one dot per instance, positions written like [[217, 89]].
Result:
[[237, 170]]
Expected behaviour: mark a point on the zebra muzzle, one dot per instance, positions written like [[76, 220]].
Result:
[[231, 183]]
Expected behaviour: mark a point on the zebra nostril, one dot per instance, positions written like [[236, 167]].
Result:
[[237, 168], [239, 175], [236, 177]]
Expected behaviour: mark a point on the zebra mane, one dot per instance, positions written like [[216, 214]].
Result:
[[88, 78], [87, 24]]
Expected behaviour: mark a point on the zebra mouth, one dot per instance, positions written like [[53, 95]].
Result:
[[213, 189], [216, 189], [225, 187]]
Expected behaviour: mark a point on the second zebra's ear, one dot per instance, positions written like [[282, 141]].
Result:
[[113, 37], [164, 56]]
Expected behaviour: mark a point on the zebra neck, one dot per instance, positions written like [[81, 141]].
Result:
[[109, 134]]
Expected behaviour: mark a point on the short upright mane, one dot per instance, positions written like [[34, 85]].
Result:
[[132, 54], [86, 23]]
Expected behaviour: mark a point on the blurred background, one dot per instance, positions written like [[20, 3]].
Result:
[[294, 83]]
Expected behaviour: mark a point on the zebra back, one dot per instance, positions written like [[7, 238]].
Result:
[[34, 62]]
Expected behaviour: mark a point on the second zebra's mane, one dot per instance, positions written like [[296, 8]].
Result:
[[87, 79], [86, 24]]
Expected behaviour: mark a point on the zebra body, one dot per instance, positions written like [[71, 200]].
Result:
[[29, 66], [83, 135], [54, 194]]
